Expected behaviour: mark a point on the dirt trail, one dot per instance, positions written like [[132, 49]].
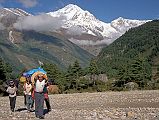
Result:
[[139, 105]]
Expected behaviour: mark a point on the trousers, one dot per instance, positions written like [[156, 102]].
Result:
[[12, 102], [29, 101], [39, 103]]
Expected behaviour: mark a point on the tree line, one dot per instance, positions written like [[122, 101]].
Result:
[[78, 79], [5, 71], [133, 58], [73, 79]]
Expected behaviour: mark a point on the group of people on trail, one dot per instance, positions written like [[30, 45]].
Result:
[[34, 92]]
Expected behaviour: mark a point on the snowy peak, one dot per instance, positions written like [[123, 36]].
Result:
[[70, 11], [13, 11], [73, 12], [122, 25], [84, 29], [77, 25], [75, 16], [80, 20], [123, 20], [9, 16]]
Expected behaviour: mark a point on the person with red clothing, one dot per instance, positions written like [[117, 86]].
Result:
[[40, 83], [46, 97]]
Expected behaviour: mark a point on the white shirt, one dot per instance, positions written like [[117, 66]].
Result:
[[28, 88], [12, 91], [39, 86]]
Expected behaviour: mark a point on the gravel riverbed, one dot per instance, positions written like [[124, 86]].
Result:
[[129, 105]]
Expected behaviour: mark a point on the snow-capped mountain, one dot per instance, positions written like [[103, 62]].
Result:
[[122, 25], [82, 28], [21, 47], [78, 19], [71, 22], [8, 16], [15, 11]]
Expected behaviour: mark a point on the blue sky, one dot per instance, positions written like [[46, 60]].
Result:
[[105, 10]]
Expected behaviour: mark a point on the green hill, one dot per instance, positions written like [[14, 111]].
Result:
[[137, 43], [25, 49], [29, 47]]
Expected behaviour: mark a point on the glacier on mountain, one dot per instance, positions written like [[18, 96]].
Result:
[[79, 22], [78, 25]]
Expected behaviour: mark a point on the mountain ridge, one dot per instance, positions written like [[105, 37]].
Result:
[[84, 29], [140, 43], [25, 48], [77, 25]]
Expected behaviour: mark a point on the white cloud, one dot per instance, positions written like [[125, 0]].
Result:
[[2, 26], [28, 3], [39, 23], [105, 41]]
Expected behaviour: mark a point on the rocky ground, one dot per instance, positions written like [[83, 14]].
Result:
[[133, 105]]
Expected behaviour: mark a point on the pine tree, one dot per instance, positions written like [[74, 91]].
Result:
[[141, 71], [5, 71], [93, 70], [69, 78], [2, 71], [123, 76], [52, 70], [55, 74], [74, 72], [138, 71], [76, 69], [77, 72]]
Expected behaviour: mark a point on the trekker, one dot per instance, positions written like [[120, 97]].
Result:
[[12, 89], [25, 99], [47, 97], [39, 96], [28, 92]]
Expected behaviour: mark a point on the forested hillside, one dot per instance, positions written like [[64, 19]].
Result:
[[134, 55]]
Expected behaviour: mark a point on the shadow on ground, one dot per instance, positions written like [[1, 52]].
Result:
[[46, 111], [20, 109]]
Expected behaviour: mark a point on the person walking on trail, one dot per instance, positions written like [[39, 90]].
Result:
[[12, 89], [39, 96], [46, 97], [28, 92]]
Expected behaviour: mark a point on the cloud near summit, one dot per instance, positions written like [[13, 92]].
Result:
[[39, 23]]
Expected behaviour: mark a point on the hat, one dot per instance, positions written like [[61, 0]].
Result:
[[25, 74], [11, 82], [40, 75], [28, 76]]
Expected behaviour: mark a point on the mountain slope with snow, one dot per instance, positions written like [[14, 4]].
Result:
[[72, 23], [83, 29], [24, 48], [8, 16], [15, 11]]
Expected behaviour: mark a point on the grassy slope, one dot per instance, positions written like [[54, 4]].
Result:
[[37, 46]]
